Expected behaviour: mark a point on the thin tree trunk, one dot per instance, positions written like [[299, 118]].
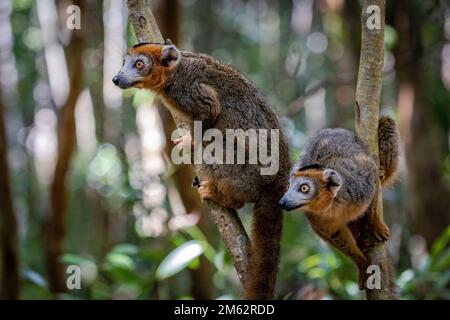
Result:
[[368, 94], [229, 225], [56, 229], [9, 277]]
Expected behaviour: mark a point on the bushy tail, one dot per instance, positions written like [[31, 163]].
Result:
[[389, 150], [266, 238]]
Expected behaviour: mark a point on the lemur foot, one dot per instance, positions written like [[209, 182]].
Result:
[[381, 231], [206, 190], [378, 234], [185, 140]]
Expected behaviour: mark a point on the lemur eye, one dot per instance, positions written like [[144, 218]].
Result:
[[139, 64], [304, 188]]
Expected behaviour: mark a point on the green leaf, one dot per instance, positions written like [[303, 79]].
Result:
[[121, 261], [179, 259], [197, 234], [67, 296], [311, 261], [316, 273], [441, 242], [70, 258], [126, 248], [442, 262], [125, 276], [35, 278], [390, 37]]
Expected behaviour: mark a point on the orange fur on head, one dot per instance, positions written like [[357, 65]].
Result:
[[158, 74], [324, 197]]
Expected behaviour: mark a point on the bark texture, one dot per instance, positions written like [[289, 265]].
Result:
[[368, 94]]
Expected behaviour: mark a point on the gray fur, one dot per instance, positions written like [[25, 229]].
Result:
[[193, 84], [337, 149]]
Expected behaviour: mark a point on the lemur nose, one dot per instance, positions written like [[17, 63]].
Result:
[[115, 80], [282, 203]]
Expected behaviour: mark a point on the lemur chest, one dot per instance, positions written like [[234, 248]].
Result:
[[337, 216]]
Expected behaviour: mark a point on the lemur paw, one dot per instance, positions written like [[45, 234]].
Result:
[[185, 140], [381, 231], [206, 190], [370, 238]]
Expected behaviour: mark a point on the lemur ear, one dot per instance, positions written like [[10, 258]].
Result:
[[170, 56], [168, 42], [333, 180]]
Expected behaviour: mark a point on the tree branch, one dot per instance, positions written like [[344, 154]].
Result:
[[368, 93], [143, 21], [227, 221]]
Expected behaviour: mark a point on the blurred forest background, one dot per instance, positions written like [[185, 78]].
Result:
[[84, 179]]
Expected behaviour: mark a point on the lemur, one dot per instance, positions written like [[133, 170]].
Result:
[[335, 181], [197, 87]]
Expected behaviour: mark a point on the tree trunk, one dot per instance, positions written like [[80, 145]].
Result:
[[368, 94], [56, 229], [9, 277]]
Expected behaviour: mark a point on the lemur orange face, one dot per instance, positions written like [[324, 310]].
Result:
[[311, 189], [147, 65]]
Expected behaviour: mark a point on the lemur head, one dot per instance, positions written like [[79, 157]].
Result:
[[311, 189], [147, 65]]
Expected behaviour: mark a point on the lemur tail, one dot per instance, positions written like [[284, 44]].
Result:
[[388, 150], [266, 237]]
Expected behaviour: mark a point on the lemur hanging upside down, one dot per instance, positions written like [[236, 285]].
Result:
[[197, 87], [335, 181]]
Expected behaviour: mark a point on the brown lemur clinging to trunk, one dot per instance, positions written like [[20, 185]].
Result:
[[197, 87], [335, 181]]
